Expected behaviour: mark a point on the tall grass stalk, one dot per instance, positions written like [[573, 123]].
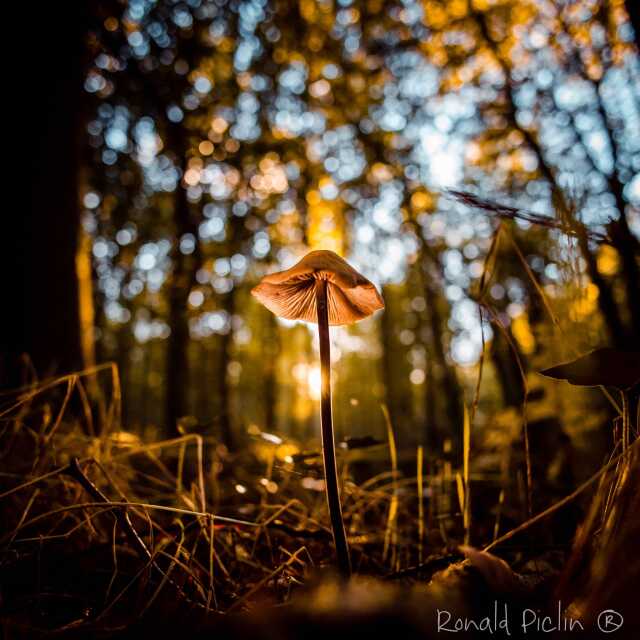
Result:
[[466, 452], [390, 534], [420, 481]]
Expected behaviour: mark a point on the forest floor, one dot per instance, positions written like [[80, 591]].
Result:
[[106, 535]]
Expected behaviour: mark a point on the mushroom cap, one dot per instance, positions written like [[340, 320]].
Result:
[[607, 366], [291, 294]]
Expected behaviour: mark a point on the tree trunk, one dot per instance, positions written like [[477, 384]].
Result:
[[442, 374], [221, 381], [429, 438], [182, 279], [633, 9], [386, 335], [451, 392], [627, 245], [41, 284], [624, 240], [606, 302], [122, 356], [177, 347], [507, 372], [271, 348]]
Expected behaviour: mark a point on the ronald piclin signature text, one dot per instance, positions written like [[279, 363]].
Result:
[[501, 620]]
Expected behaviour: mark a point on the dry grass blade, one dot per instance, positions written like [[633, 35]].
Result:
[[76, 472], [390, 534], [31, 391], [534, 281], [111, 505], [211, 594], [45, 438], [515, 213], [41, 478], [466, 453], [523, 409], [23, 517], [561, 503], [461, 492], [166, 576], [420, 482], [136, 576], [240, 601]]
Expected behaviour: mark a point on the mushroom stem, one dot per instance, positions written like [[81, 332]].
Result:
[[328, 444]]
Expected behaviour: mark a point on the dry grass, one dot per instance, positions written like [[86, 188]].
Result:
[[102, 530], [181, 516]]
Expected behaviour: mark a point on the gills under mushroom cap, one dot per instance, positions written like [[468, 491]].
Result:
[[291, 294]]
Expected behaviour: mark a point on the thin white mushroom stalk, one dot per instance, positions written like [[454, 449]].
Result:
[[323, 288]]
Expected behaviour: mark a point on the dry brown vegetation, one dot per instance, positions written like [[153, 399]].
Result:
[[103, 532]]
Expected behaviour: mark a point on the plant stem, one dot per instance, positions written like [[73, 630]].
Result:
[[326, 426], [76, 472], [626, 421]]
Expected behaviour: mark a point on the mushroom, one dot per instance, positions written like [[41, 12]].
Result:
[[323, 288], [604, 367]]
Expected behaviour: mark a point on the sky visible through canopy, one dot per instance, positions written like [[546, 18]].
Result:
[[341, 126]]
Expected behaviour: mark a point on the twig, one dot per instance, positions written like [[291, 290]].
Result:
[[122, 515]]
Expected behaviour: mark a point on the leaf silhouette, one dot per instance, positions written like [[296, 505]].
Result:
[[606, 366]]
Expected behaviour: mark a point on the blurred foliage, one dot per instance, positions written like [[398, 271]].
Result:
[[227, 138], [479, 161]]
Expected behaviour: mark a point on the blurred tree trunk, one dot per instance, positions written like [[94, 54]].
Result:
[[271, 349], [623, 239], [443, 374], [184, 268], [147, 412], [228, 301], [203, 388], [606, 302], [429, 439], [221, 379], [507, 371], [389, 347], [44, 319], [633, 9], [86, 306], [124, 345]]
